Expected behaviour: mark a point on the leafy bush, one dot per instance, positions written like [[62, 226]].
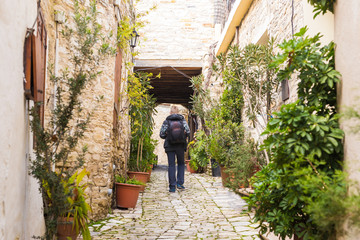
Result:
[[197, 150], [245, 161], [142, 108], [305, 146]]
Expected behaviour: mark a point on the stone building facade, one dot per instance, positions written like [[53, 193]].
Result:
[[255, 21], [108, 134], [177, 33], [258, 21], [176, 29]]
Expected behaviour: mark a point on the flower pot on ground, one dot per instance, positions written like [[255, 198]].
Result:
[[127, 192], [65, 229], [127, 195], [224, 176], [149, 171], [140, 176], [215, 168], [76, 215], [188, 167]]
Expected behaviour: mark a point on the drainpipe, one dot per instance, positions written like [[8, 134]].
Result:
[[59, 19]]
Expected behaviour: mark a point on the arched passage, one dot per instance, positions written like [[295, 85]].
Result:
[[173, 87], [174, 84]]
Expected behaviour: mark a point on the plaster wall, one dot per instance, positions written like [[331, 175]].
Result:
[[20, 200], [323, 24], [347, 57], [176, 29]]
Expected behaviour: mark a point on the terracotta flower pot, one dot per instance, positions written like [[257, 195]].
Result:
[[188, 167], [141, 177], [149, 171], [224, 176], [66, 229], [127, 195]]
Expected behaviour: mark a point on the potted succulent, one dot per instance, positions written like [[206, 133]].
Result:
[[74, 219], [127, 191]]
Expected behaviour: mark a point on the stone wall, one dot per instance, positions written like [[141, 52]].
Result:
[[108, 148], [176, 29], [264, 20]]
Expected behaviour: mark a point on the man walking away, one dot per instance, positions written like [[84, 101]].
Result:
[[175, 131]]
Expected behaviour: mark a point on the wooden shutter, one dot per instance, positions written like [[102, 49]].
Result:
[[35, 64], [118, 68], [39, 59], [29, 81]]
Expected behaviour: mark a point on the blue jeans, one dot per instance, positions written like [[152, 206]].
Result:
[[173, 180]]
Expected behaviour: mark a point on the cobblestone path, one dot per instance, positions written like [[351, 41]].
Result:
[[205, 210]]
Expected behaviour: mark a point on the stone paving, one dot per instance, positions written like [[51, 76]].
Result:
[[204, 210]]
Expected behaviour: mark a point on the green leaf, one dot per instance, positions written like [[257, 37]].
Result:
[[333, 141]]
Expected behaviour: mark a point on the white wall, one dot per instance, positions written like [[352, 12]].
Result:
[[20, 201], [347, 39], [322, 23]]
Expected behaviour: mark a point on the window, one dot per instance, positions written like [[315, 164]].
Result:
[[35, 63]]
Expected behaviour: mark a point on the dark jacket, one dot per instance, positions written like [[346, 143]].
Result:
[[164, 129]]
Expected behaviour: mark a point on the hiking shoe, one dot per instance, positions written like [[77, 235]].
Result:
[[172, 190], [180, 186]]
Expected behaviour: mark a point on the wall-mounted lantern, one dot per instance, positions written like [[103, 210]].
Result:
[[133, 39]]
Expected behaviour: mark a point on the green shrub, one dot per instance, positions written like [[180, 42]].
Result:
[[197, 150], [304, 142]]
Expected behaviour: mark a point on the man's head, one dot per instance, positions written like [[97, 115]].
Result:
[[174, 109]]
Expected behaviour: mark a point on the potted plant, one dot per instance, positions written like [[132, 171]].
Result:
[[75, 217], [142, 107], [57, 140], [127, 191], [198, 156], [229, 146]]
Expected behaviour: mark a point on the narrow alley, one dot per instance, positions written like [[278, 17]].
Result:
[[205, 210]]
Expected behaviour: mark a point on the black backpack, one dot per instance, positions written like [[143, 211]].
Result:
[[176, 132]]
